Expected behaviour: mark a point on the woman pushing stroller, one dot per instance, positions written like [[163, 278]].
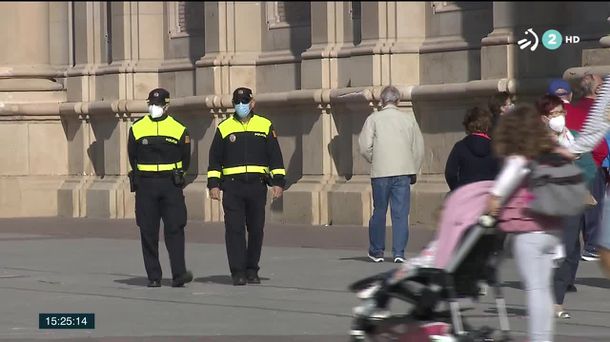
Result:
[[520, 138]]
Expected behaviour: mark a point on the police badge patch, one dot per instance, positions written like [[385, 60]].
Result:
[[232, 138], [144, 141]]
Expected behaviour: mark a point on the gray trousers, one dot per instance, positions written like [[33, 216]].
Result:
[[534, 253]]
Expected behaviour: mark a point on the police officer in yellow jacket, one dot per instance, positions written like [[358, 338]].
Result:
[[159, 152], [245, 157]]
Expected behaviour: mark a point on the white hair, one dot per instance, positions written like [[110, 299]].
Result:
[[390, 95]]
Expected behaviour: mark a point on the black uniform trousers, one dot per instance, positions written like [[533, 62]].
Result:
[[565, 274], [158, 198], [244, 208]]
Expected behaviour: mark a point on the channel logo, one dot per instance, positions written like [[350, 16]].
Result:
[[525, 42], [551, 39]]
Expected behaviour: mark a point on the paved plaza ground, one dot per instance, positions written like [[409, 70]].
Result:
[[95, 266]]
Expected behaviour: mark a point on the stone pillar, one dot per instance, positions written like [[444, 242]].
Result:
[[29, 20], [59, 34], [25, 60], [498, 48], [285, 36], [319, 66], [30, 126], [101, 75], [232, 44], [183, 45], [595, 59], [409, 28], [502, 58], [371, 56], [306, 201], [597, 56]]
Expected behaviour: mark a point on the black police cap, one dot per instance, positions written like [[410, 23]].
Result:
[[242, 95], [158, 96]]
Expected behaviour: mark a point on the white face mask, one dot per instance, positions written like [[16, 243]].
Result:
[[155, 111], [558, 123]]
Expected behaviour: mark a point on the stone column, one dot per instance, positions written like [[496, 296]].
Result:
[[498, 48], [409, 28], [502, 58], [30, 126], [306, 201], [371, 56], [232, 44], [319, 66], [596, 58], [101, 76], [26, 57]]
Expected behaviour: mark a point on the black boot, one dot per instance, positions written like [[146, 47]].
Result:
[[252, 277], [154, 283], [187, 277], [239, 279]]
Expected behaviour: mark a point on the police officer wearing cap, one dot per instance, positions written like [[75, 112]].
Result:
[[245, 157], [159, 152]]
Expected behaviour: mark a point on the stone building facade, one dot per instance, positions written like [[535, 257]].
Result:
[[74, 76]]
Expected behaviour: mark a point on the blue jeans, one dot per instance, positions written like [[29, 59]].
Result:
[[396, 191]]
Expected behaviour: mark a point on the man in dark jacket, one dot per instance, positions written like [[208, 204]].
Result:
[[471, 159]]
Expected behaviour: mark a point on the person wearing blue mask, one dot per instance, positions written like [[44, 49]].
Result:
[[245, 158]]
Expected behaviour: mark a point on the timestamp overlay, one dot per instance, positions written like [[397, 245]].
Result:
[[66, 321]]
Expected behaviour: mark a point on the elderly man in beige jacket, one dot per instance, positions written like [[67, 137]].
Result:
[[392, 142]]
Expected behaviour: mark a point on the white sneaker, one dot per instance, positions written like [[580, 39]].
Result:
[[399, 260], [376, 259], [368, 292], [380, 314], [363, 311]]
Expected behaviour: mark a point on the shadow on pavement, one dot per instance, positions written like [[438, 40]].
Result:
[[141, 281], [216, 279], [602, 283], [363, 259], [512, 312], [220, 279]]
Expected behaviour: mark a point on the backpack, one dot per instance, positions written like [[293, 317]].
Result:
[[558, 186]]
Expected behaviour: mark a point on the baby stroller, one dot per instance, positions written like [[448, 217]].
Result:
[[465, 252]]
